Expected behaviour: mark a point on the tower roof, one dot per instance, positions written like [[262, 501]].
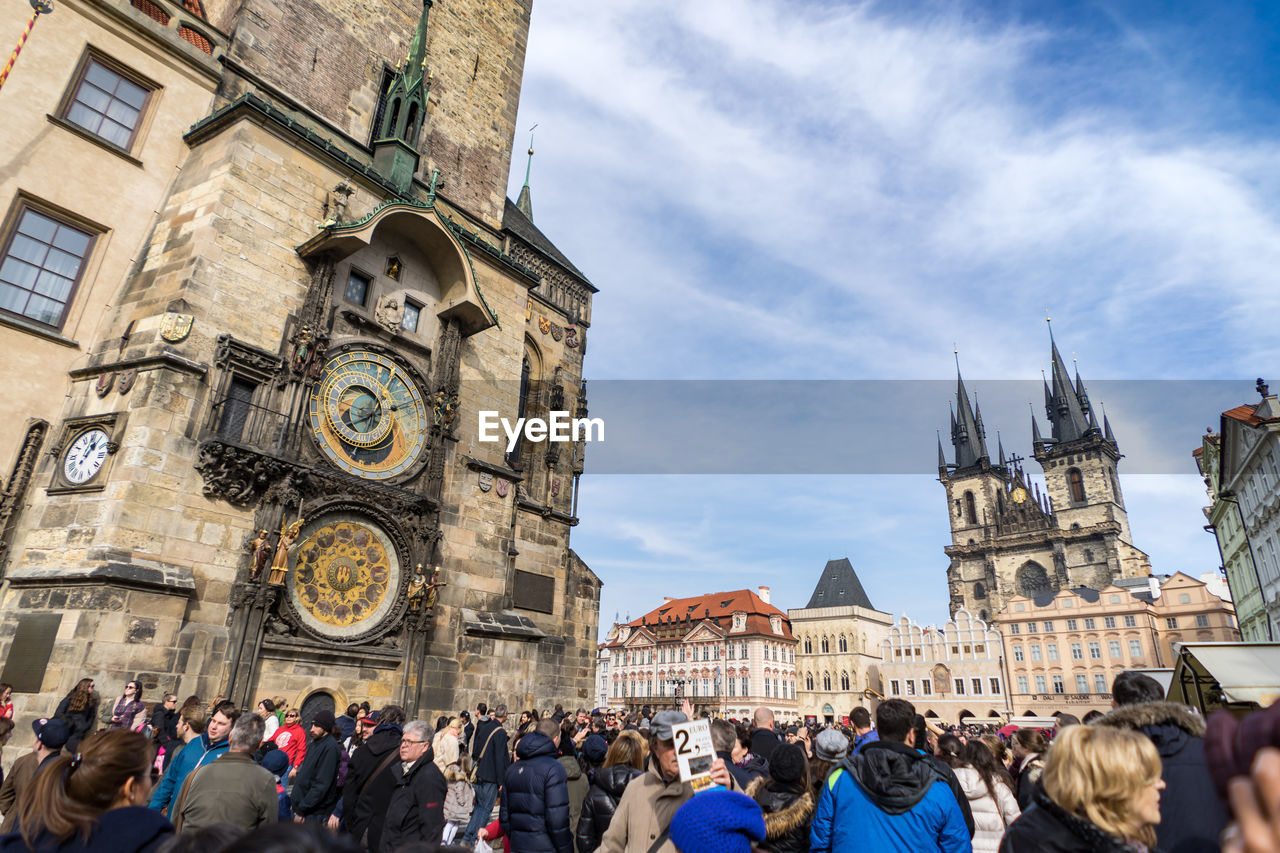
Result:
[[839, 587], [967, 433]]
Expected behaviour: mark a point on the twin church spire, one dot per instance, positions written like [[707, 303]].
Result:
[[1071, 418]]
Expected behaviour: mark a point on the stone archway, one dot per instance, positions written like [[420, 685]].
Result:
[[313, 704]]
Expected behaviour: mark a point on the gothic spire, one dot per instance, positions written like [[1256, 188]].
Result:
[[967, 435], [525, 202], [1066, 414], [942, 459], [395, 146], [1000, 449], [1106, 429]]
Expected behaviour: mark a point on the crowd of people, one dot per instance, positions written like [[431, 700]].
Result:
[[197, 776]]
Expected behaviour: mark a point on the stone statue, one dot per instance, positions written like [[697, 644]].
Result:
[[261, 548], [389, 313], [417, 589], [433, 588], [288, 537]]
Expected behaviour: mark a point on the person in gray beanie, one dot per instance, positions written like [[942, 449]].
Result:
[[829, 748]]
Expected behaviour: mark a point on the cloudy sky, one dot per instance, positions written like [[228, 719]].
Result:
[[777, 190]]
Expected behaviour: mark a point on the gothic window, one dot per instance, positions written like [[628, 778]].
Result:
[[979, 591], [1075, 482], [970, 508], [1032, 579], [808, 646], [844, 644], [1088, 555], [826, 647], [388, 77], [826, 682], [808, 681], [959, 511], [844, 681]]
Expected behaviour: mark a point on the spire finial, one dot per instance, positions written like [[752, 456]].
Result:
[[1049, 322], [529, 165], [525, 203]]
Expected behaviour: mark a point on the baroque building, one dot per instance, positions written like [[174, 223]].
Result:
[[952, 673], [838, 637], [728, 653], [1241, 469], [1007, 537], [259, 276]]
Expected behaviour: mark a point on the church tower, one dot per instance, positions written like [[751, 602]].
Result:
[[1010, 538]]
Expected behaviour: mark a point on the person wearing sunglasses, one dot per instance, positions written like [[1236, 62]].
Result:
[[291, 738], [129, 708]]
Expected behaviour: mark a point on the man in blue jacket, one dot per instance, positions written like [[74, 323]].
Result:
[[198, 751], [888, 797], [534, 812]]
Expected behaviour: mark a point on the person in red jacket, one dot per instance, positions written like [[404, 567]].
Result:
[[291, 738]]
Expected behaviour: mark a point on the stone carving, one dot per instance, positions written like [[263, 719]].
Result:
[[126, 379], [105, 383], [394, 268], [486, 481], [16, 489], [444, 408], [544, 325], [571, 337], [288, 536], [261, 550], [175, 327], [389, 313], [417, 589], [504, 486], [236, 475]]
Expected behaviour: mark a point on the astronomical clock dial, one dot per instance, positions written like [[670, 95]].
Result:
[[368, 415], [85, 458], [346, 576], [1019, 495]]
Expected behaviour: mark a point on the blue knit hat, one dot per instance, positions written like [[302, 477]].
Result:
[[717, 822]]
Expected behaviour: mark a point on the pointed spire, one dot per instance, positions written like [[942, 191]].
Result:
[[395, 146], [942, 459], [1065, 412], [1036, 439], [967, 435], [1000, 449], [525, 202], [1106, 428]]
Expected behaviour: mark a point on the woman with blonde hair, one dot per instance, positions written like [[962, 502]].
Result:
[[95, 799], [1101, 792], [444, 745], [624, 762]]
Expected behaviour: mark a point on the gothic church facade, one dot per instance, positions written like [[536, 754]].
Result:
[[255, 325], [1007, 536]]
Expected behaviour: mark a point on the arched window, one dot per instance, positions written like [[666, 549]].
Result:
[[970, 508], [826, 682], [844, 681], [526, 385], [808, 646], [979, 591], [808, 681], [1032, 579], [1075, 482], [844, 644], [982, 614], [826, 647]]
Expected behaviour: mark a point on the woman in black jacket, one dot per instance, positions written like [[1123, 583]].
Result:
[[79, 710], [624, 762], [786, 798], [1100, 793]]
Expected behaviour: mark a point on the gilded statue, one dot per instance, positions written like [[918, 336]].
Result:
[[289, 534], [417, 589], [433, 588], [261, 548]]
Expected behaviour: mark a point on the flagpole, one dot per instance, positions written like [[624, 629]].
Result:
[[39, 7]]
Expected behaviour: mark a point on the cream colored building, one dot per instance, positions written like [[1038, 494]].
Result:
[[838, 637], [951, 672], [1064, 650]]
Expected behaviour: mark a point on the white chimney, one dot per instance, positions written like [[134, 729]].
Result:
[[764, 594], [666, 599]]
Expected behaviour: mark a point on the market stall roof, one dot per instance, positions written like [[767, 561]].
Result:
[[1210, 675]]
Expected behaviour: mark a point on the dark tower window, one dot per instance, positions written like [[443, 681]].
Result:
[[235, 409], [959, 511], [844, 644], [970, 508], [826, 647], [808, 681], [844, 681], [979, 591], [1032, 579], [983, 616], [388, 76], [808, 646], [826, 681], [1075, 481], [513, 458]]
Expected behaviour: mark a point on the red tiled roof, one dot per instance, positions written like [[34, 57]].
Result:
[[718, 607], [1244, 414]]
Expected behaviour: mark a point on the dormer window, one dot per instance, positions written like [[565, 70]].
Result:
[[739, 621], [775, 624]]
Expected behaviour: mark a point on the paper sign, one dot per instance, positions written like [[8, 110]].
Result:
[[694, 752]]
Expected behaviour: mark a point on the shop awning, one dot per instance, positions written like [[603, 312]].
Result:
[[1215, 675]]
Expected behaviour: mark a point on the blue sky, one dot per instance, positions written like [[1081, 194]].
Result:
[[777, 190]]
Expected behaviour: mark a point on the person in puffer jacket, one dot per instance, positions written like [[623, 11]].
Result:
[[574, 772], [786, 798], [460, 799], [534, 814], [989, 789], [624, 762]]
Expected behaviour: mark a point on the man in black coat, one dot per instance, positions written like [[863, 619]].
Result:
[[489, 756], [534, 813], [370, 781], [764, 740], [415, 811], [315, 788], [164, 727]]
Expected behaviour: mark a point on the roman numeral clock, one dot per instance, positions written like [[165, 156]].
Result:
[[85, 453]]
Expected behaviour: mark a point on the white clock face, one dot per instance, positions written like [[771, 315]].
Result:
[[86, 457]]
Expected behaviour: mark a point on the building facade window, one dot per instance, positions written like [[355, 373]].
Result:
[[107, 103], [844, 645], [1090, 624], [1171, 622], [1022, 684], [926, 687], [893, 687], [959, 686], [1113, 648], [1131, 621], [1077, 651], [1202, 621], [1073, 625], [1017, 654], [1048, 627], [1035, 652], [994, 684], [1052, 649], [357, 289], [1135, 648], [412, 312], [1100, 683], [1082, 683], [1040, 684], [43, 260], [1108, 621], [1015, 628], [1075, 482], [826, 682], [1095, 651], [976, 685], [1058, 686]]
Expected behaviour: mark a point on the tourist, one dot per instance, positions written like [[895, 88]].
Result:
[[889, 796], [6, 701], [233, 789], [718, 822], [315, 784], [204, 743], [444, 744], [370, 782], [989, 789], [829, 748], [415, 810], [164, 727], [863, 732], [79, 710], [346, 722], [1100, 792], [271, 723], [624, 761], [92, 800], [1028, 745], [724, 740], [50, 737], [787, 800], [276, 763], [764, 740], [490, 760], [460, 799], [534, 813], [292, 739], [129, 708]]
